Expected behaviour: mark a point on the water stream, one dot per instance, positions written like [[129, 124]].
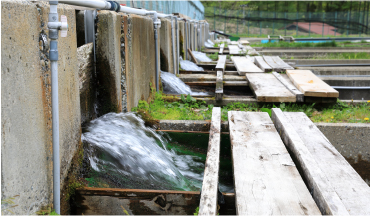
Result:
[[123, 150], [189, 66], [174, 85]]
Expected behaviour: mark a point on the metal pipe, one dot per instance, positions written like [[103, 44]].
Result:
[[178, 45], [157, 25], [53, 56], [186, 39], [334, 65]]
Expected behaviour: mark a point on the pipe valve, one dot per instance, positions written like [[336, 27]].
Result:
[[63, 26]]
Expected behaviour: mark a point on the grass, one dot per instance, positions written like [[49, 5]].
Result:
[[213, 57], [191, 109], [357, 55]]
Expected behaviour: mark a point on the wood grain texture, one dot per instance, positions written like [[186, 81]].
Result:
[[320, 187], [267, 88], [234, 50], [260, 62], [208, 200], [244, 65], [351, 189], [289, 85], [266, 179], [276, 64], [219, 92], [310, 85], [222, 48], [221, 63], [192, 56]]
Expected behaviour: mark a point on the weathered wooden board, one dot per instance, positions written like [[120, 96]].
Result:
[[222, 48], [208, 200], [266, 179], [192, 56], [213, 83], [282, 63], [251, 51], [244, 42], [221, 63], [113, 201], [289, 85], [251, 58], [234, 50], [336, 181], [276, 65], [244, 65], [219, 92], [260, 62], [208, 77], [267, 88], [310, 85]]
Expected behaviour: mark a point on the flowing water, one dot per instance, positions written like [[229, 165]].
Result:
[[120, 147], [189, 66], [201, 57], [209, 43], [174, 85]]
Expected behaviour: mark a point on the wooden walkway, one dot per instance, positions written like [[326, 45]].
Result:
[[244, 65], [266, 179]]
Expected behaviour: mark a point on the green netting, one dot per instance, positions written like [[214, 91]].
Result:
[[345, 23]]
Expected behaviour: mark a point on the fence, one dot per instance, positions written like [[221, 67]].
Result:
[[261, 23], [192, 9]]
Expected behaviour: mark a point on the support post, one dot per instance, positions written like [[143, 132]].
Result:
[[335, 21], [214, 18], [309, 26], [347, 22], [285, 23], [323, 23], [297, 25], [237, 23]]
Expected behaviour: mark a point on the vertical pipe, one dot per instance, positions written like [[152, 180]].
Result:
[[296, 29], [178, 45], [173, 44], [53, 55], [359, 26], [285, 23], [347, 22], [323, 23], [335, 21], [156, 60], [309, 27], [186, 39]]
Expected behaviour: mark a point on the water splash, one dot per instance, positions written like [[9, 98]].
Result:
[[174, 85], [202, 57], [189, 66], [209, 43], [119, 146]]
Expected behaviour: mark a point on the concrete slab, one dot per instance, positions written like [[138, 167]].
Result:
[[166, 46]]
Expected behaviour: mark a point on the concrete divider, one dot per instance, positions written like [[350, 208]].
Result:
[[139, 58], [182, 38], [108, 62], [166, 46], [26, 145]]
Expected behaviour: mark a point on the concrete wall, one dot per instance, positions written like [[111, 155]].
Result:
[[166, 46], [182, 38], [85, 57], [108, 62], [26, 145], [139, 58]]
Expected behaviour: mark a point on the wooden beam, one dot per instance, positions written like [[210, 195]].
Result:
[[289, 85], [244, 65], [235, 50], [260, 62], [282, 63], [267, 88], [267, 181], [213, 83], [276, 64], [219, 92], [222, 48], [192, 56], [337, 188], [310, 85], [221, 63], [208, 200]]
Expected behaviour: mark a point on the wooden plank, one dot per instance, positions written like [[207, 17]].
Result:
[[251, 58], [221, 63], [266, 179], [289, 85], [310, 85], [321, 189], [208, 200], [192, 56], [267, 88], [251, 51], [351, 189], [213, 83], [244, 65], [260, 62], [244, 42], [219, 86], [276, 66], [282, 63], [234, 50], [208, 77], [222, 48], [112, 201]]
